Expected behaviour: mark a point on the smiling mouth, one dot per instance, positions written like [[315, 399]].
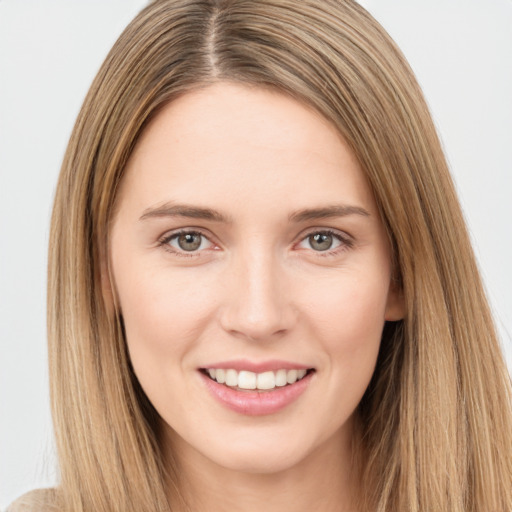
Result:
[[249, 381]]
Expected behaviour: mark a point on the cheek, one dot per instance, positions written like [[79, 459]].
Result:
[[165, 314], [351, 310], [348, 319], [163, 311]]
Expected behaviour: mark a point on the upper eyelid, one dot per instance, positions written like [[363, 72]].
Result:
[[343, 235], [183, 231]]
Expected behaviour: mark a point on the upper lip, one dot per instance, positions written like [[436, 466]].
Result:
[[257, 366]]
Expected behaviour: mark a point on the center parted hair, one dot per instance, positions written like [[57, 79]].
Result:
[[435, 420]]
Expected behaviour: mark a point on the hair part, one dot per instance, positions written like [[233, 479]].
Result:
[[435, 420]]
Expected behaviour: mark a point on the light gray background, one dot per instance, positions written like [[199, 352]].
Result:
[[50, 50]]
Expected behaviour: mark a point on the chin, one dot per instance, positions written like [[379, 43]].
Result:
[[258, 459], [265, 450]]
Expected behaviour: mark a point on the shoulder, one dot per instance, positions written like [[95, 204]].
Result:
[[40, 500]]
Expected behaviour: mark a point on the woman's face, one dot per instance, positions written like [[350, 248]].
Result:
[[247, 245]]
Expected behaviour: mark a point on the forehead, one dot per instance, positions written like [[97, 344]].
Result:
[[246, 144]]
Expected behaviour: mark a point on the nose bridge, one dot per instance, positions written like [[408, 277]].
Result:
[[258, 305]]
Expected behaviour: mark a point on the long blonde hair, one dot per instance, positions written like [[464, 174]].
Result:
[[436, 418]]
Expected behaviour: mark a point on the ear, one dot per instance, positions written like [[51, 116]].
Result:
[[395, 306]]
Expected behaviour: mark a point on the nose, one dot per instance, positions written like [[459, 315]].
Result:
[[257, 305]]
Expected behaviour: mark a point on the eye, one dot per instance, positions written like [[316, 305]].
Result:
[[324, 241], [187, 242], [321, 241]]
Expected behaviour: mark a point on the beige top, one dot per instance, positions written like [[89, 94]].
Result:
[[40, 500]]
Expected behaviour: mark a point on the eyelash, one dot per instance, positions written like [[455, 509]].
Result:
[[166, 239], [345, 242]]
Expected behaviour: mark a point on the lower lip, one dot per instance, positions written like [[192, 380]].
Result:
[[257, 403]]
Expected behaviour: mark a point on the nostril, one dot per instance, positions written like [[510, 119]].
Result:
[[269, 325]]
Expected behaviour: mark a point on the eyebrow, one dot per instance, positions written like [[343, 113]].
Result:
[[196, 212], [184, 210], [327, 212]]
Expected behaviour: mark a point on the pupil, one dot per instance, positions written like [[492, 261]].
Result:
[[189, 241], [321, 241]]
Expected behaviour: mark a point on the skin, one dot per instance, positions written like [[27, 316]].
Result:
[[256, 289]]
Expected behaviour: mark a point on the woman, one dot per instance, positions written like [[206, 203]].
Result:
[[261, 286]]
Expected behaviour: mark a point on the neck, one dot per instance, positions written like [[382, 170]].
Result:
[[324, 480]]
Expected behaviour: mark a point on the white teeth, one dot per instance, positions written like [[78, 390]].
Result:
[[291, 376], [250, 380], [247, 380], [266, 380], [231, 378], [281, 378]]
